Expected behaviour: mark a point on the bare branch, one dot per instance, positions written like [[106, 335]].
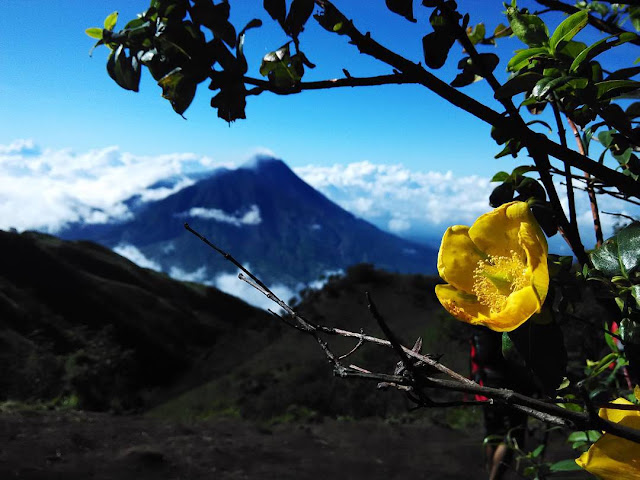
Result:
[[266, 86]]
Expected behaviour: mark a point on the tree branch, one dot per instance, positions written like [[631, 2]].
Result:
[[264, 85], [418, 74]]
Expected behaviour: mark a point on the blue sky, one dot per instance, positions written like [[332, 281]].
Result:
[[381, 152], [53, 92]]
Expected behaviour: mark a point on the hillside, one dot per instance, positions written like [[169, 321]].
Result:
[[82, 325], [291, 379]]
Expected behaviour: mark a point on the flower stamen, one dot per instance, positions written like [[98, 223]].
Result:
[[495, 278]]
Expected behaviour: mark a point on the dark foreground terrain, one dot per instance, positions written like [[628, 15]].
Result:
[[80, 445]]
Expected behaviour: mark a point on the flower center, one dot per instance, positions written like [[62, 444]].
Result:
[[495, 278]]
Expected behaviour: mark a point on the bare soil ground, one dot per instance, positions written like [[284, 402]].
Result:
[[79, 445]]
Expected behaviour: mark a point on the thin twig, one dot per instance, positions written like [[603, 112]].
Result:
[[593, 200], [544, 411], [567, 168]]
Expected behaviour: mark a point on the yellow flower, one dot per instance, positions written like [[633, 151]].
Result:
[[613, 457], [496, 270]]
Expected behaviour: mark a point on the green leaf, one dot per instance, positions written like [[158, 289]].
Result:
[[94, 32], [565, 466], [522, 169], [522, 58], [402, 7], [536, 453], [597, 48], [530, 29], [613, 88], [629, 247], [611, 343], [584, 436], [605, 258], [477, 33], [110, 21], [547, 85], [568, 29], [502, 31], [518, 84], [500, 177]]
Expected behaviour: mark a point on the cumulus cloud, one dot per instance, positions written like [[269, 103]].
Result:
[[398, 199], [250, 217], [47, 189], [136, 256], [424, 204]]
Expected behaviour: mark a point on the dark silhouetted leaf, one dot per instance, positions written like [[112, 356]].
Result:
[[299, 13], [402, 7], [231, 102], [546, 218], [124, 70], [501, 194], [540, 344], [277, 9], [178, 89], [436, 46]]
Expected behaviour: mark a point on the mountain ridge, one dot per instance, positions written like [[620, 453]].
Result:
[[265, 216]]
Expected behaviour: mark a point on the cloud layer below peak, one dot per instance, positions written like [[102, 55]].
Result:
[[48, 189]]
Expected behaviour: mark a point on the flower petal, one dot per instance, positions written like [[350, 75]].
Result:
[[461, 305], [458, 257], [520, 306], [613, 458], [496, 232], [617, 416], [535, 247]]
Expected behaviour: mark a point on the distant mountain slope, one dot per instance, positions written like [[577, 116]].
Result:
[[266, 217], [79, 322]]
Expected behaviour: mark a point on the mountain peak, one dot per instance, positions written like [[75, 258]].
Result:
[[260, 162]]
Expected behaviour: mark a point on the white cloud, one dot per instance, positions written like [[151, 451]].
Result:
[[424, 204], [250, 217], [198, 276], [47, 189], [136, 256], [398, 199], [399, 225], [231, 284]]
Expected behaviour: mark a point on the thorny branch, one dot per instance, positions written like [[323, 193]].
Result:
[[546, 411]]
